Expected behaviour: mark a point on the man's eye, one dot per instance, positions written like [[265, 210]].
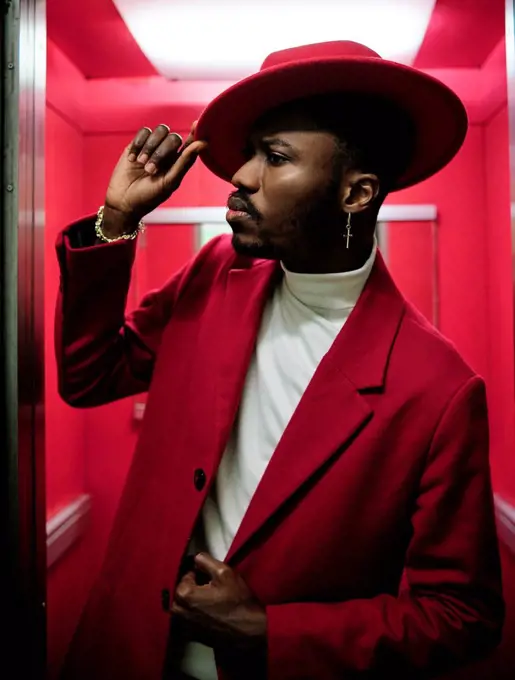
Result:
[[276, 159]]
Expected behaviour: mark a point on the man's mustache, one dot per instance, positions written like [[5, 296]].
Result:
[[238, 200]]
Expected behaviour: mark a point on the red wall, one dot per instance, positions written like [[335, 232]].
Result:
[[63, 182], [458, 192], [499, 286], [69, 581], [91, 451], [475, 273], [411, 259]]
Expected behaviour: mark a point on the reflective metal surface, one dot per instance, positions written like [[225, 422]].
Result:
[[23, 100]]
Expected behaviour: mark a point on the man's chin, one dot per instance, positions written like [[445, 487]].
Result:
[[252, 247]]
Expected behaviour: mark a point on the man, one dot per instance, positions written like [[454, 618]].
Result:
[[309, 438]]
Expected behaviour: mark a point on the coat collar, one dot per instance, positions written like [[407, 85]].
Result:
[[363, 347], [332, 410]]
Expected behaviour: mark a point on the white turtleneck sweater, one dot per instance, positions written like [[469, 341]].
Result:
[[299, 325]]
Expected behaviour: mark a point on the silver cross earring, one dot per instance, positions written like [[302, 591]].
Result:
[[348, 235]]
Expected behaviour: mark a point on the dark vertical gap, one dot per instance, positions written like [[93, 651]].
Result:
[[22, 521]]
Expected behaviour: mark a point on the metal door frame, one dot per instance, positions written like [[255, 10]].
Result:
[[22, 474]]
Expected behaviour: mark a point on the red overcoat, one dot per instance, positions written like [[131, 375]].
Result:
[[382, 470]]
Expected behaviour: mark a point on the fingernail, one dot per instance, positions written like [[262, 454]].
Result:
[[150, 168], [132, 157], [143, 158]]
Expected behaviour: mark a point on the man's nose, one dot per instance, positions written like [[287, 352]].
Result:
[[248, 176]]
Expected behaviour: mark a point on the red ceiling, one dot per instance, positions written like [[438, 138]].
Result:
[[462, 33], [94, 37]]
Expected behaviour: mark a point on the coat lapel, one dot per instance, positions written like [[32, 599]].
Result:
[[333, 409], [248, 288]]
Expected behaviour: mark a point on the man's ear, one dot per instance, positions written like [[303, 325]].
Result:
[[359, 191]]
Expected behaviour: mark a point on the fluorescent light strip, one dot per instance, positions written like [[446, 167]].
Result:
[[216, 214], [229, 39]]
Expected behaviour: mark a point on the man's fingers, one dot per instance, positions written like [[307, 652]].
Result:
[[191, 137], [164, 155], [154, 140], [190, 596], [210, 566], [138, 143], [185, 588], [147, 141], [185, 161]]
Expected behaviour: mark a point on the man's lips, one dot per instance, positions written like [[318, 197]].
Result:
[[236, 205], [237, 215]]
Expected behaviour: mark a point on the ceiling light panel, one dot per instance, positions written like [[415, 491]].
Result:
[[229, 39]]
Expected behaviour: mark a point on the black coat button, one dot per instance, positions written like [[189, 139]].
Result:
[[199, 479]]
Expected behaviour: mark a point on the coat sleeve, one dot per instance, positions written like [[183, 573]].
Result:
[[102, 354], [452, 612]]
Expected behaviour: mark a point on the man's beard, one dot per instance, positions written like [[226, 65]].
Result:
[[312, 226], [256, 248]]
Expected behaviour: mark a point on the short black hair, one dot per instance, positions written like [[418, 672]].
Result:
[[373, 134]]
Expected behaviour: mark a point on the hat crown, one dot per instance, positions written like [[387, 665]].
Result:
[[338, 49]]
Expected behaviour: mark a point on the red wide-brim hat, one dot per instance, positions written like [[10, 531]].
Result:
[[438, 114]]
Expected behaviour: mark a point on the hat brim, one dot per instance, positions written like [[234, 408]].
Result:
[[439, 116]]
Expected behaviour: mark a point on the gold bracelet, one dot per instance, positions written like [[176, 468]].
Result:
[[124, 237]]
